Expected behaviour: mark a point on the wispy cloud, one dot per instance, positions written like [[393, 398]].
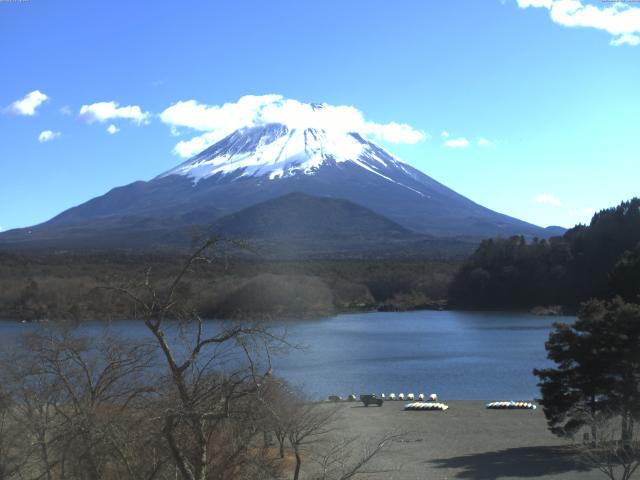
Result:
[[65, 110], [588, 210], [218, 121], [579, 212], [112, 129], [484, 142], [103, 111], [28, 104], [47, 136], [620, 19], [457, 143], [444, 134], [548, 199]]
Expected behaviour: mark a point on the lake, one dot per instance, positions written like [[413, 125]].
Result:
[[458, 355]]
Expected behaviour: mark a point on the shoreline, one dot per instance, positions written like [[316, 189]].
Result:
[[292, 317]]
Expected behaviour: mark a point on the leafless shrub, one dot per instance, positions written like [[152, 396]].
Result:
[[615, 447], [346, 458]]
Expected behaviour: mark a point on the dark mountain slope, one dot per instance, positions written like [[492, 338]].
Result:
[[301, 216]]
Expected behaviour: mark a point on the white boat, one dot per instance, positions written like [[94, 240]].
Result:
[[427, 406], [511, 405]]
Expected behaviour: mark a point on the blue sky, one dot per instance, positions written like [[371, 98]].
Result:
[[540, 97]]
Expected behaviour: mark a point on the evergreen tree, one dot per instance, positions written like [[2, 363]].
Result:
[[601, 260], [597, 369]]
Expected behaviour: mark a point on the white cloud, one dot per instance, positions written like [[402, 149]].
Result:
[[588, 210], [47, 136], [188, 148], [65, 110], [620, 19], [626, 39], [218, 121], [463, 142], [535, 3], [484, 142], [28, 104], [548, 199], [394, 132], [103, 111], [457, 143], [583, 214], [112, 129]]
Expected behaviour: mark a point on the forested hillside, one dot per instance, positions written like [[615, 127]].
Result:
[[71, 286], [600, 260]]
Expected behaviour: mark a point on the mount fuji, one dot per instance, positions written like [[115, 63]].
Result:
[[261, 163]]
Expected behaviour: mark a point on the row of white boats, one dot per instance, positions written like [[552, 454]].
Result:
[[433, 404], [426, 406], [392, 396], [511, 405], [410, 396]]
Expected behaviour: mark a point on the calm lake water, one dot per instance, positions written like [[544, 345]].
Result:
[[459, 355]]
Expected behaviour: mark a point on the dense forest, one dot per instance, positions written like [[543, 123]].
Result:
[[70, 286], [601, 260]]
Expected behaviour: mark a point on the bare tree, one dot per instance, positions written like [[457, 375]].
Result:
[[616, 453], [339, 461], [212, 376], [195, 401], [279, 401], [76, 400], [313, 431], [13, 452], [33, 414], [309, 424]]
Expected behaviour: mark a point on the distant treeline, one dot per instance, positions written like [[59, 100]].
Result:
[[72, 286], [601, 260]]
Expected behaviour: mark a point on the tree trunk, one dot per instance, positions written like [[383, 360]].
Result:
[[44, 451], [202, 443], [594, 434], [181, 462], [625, 430], [296, 473], [281, 439], [594, 423]]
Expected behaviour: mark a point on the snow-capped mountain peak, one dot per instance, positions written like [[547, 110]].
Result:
[[272, 160], [278, 151]]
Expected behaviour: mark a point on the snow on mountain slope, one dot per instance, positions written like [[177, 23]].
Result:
[[277, 151]]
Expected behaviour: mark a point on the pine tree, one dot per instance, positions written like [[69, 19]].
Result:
[[597, 369]]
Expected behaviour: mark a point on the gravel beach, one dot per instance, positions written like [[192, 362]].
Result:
[[467, 441]]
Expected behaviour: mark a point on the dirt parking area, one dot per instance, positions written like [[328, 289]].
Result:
[[467, 441]]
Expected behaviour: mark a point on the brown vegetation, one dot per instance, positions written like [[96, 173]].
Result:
[[69, 286], [190, 402]]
